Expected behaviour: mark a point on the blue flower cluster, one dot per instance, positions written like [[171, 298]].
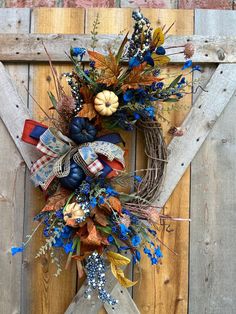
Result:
[[155, 255], [64, 240], [78, 52]]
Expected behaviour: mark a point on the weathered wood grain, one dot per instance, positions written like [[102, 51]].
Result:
[[12, 177], [29, 47], [202, 117], [81, 305], [212, 229], [14, 109]]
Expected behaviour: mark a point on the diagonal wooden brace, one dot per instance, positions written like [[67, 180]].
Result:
[[198, 124]]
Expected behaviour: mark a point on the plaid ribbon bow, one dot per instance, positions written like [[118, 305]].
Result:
[[58, 150]]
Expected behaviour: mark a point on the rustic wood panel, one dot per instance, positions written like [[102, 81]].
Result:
[[29, 47], [45, 292], [12, 182], [166, 286], [212, 230]]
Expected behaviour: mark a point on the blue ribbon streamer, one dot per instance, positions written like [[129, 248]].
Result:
[[37, 131], [113, 138]]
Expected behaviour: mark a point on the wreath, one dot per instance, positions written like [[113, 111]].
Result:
[[82, 166]]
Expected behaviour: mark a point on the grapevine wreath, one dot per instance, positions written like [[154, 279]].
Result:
[[82, 164]]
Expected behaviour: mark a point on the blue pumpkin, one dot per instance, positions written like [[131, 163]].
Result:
[[74, 178], [81, 131]]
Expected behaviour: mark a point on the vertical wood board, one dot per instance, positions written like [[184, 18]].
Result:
[[12, 177], [212, 230]]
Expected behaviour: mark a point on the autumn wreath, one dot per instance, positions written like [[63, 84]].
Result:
[[82, 163]]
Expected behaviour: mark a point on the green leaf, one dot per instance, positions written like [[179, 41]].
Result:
[[53, 100], [106, 229], [171, 100], [81, 72], [176, 80]]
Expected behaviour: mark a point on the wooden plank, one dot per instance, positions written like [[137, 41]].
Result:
[[12, 180], [29, 47], [46, 293], [212, 230], [11, 103], [166, 286], [202, 117]]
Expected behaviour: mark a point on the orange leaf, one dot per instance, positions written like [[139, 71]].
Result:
[[114, 203], [138, 77], [87, 111], [109, 66], [56, 201]]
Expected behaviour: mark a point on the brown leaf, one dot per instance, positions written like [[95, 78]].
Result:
[[94, 237], [138, 77], [109, 66], [87, 111], [87, 94], [56, 201], [99, 216], [86, 250]]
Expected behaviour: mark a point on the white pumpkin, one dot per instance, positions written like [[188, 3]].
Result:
[[106, 103]]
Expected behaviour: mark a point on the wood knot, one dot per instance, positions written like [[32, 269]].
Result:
[[146, 308], [211, 123], [221, 54]]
